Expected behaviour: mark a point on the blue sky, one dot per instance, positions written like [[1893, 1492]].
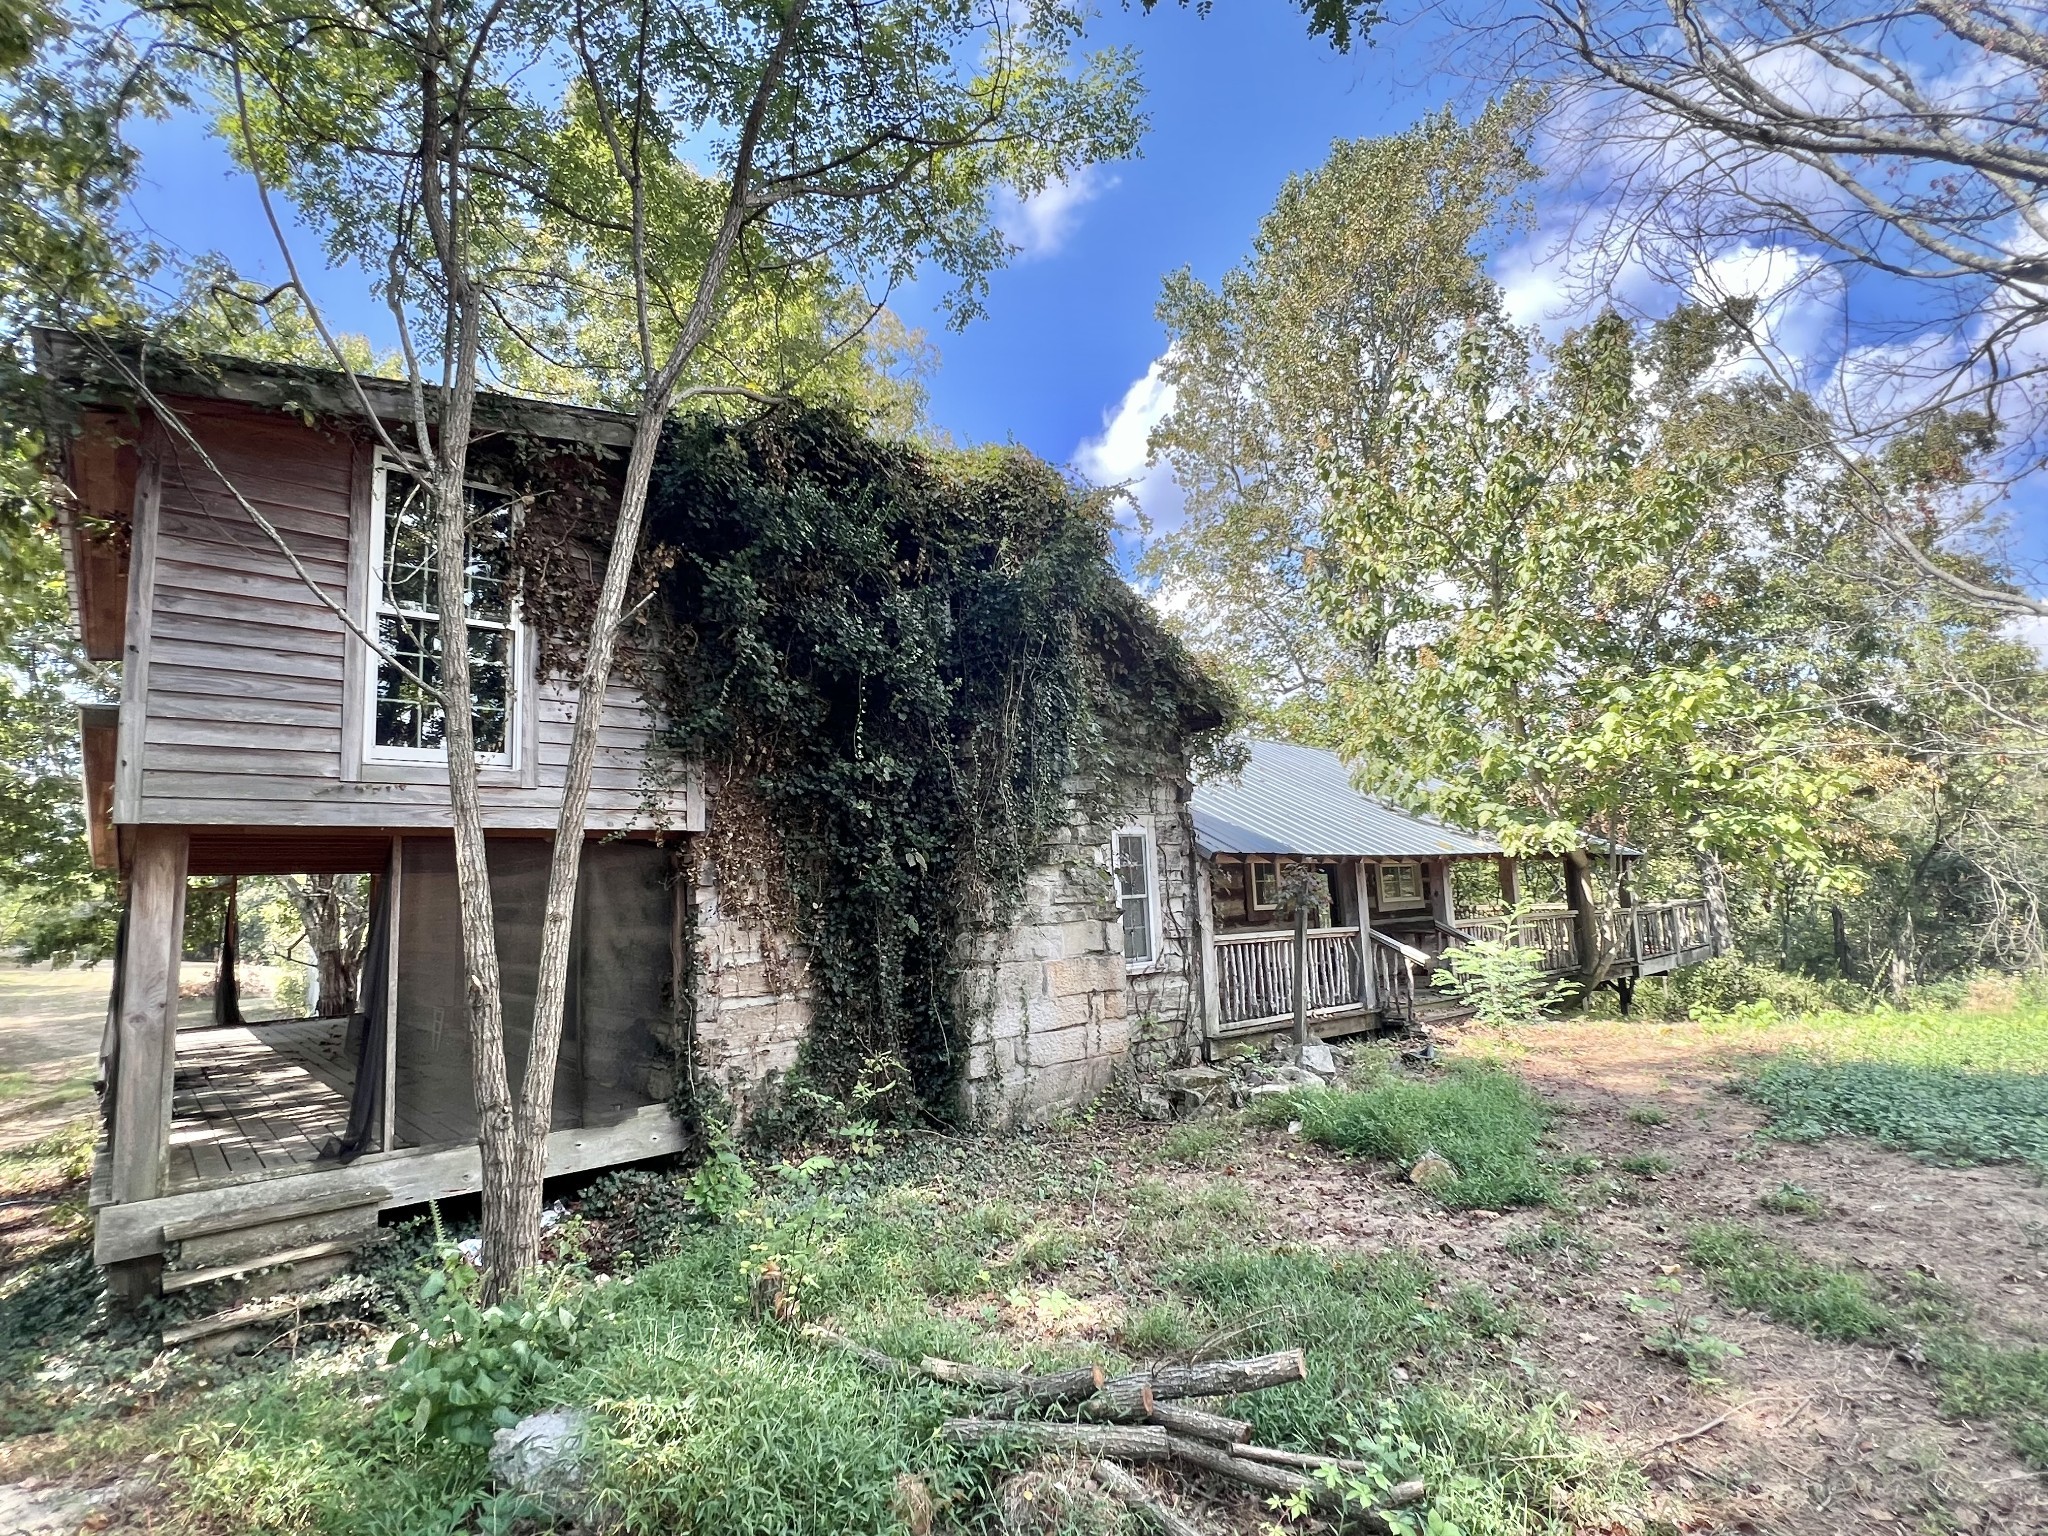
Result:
[[1237, 100]]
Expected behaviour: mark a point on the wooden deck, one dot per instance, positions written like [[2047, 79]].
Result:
[[256, 1101]]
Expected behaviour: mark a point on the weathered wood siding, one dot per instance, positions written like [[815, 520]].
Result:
[[244, 700]]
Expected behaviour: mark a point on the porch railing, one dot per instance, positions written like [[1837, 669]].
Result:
[[1255, 975], [1393, 974], [1555, 932], [1658, 930]]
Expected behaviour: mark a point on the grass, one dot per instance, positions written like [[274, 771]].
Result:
[[1747, 1269], [1204, 1143], [1646, 1164], [2012, 1039], [1792, 1200], [1484, 1120], [1648, 1114]]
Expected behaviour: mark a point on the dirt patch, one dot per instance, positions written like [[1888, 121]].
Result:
[[1798, 1435]]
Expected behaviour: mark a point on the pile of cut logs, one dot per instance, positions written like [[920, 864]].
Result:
[[1148, 1415]]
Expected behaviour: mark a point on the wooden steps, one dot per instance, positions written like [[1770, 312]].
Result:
[[318, 1232]]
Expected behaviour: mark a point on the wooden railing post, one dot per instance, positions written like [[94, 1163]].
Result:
[[148, 1026]]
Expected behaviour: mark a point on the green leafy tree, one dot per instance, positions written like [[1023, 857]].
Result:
[[1363, 273]]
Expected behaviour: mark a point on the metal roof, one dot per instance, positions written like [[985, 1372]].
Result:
[[1293, 799]]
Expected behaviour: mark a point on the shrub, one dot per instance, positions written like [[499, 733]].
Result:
[[1747, 1269], [1504, 983], [1483, 1119]]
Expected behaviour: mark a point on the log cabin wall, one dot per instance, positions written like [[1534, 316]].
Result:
[[245, 698]]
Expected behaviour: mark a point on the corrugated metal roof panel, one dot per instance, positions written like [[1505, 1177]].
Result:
[[1293, 799]]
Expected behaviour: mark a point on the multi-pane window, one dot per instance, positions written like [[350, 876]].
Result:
[[1265, 885], [1400, 885], [1135, 897], [405, 720]]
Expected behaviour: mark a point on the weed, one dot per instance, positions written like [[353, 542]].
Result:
[[1202, 1143], [1162, 1328], [1678, 1334], [1484, 1120], [1556, 1238], [1948, 1113], [1646, 1164], [1980, 1381], [46, 1167], [1748, 1269], [1047, 1247], [1648, 1114], [1792, 1200]]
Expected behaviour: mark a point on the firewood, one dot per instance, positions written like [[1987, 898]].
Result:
[[1400, 1496], [1134, 1442], [982, 1378], [1071, 1386], [1136, 1496], [1232, 1463], [1126, 1400], [1198, 1423], [1228, 1378], [873, 1359]]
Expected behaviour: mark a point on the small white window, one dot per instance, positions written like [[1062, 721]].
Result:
[[1137, 896], [1265, 885], [1400, 885], [405, 725]]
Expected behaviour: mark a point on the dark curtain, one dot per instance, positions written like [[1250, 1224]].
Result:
[[370, 1026], [227, 992]]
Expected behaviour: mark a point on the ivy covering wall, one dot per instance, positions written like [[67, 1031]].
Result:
[[903, 670]]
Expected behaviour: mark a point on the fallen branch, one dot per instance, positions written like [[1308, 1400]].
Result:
[[1199, 1423], [983, 1378], [1018, 1387], [1136, 1496], [1072, 1386], [1228, 1378], [1691, 1434], [1133, 1442], [1123, 1401]]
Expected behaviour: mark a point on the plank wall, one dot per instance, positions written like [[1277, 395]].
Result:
[[244, 697]]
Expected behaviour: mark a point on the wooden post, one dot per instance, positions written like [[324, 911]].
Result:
[[1368, 988], [1210, 994], [148, 1023], [1510, 880], [387, 1133], [1442, 901], [1300, 973]]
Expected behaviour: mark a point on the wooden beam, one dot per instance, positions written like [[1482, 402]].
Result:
[[1510, 869], [413, 1177], [1211, 992], [148, 1024], [387, 1133], [1369, 988], [135, 631]]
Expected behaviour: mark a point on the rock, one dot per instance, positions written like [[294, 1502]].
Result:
[[544, 1457], [1202, 1080], [1432, 1171], [1269, 1090], [1298, 1077], [29, 1510], [1319, 1059], [1153, 1104]]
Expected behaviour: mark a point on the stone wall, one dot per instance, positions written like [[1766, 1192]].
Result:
[[1056, 1011]]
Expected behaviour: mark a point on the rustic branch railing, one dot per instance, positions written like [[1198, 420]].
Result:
[[1255, 975], [1393, 974], [1656, 931], [1553, 932]]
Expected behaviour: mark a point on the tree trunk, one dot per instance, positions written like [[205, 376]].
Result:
[[1838, 924], [1578, 895], [336, 934], [1300, 979], [1714, 886]]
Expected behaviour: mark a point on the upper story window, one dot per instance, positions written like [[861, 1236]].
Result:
[[405, 723], [1137, 896]]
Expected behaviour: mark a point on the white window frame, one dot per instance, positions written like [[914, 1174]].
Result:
[[1155, 933], [517, 659], [1251, 884], [1389, 902]]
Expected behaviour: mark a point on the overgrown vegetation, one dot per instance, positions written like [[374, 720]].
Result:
[[895, 664], [1482, 1120]]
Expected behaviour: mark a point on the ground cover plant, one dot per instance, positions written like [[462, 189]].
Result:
[[1480, 1118]]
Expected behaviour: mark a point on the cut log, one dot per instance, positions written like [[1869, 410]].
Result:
[[874, 1359], [1298, 1459], [1198, 1423], [1127, 1400], [982, 1378], [1228, 1378], [1134, 1495], [1133, 1442], [1074, 1386], [1214, 1458]]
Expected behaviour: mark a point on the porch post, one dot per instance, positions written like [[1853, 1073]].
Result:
[[1510, 879], [1368, 988], [1443, 901], [387, 1128], [1209, 997], [148, 1024]]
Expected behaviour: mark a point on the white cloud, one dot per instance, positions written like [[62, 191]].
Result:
[[1118, 456], [2033, 629], [1039, 225]]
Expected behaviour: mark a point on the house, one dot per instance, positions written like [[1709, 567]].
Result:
[[1386, 903], [260, 732]]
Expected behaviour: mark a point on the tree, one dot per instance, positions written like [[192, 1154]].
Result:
[[1544, 587], [335, 920], [1362, 273], [829, 136], [1890, 159]]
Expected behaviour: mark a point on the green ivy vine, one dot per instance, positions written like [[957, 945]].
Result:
[[903, 668]]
